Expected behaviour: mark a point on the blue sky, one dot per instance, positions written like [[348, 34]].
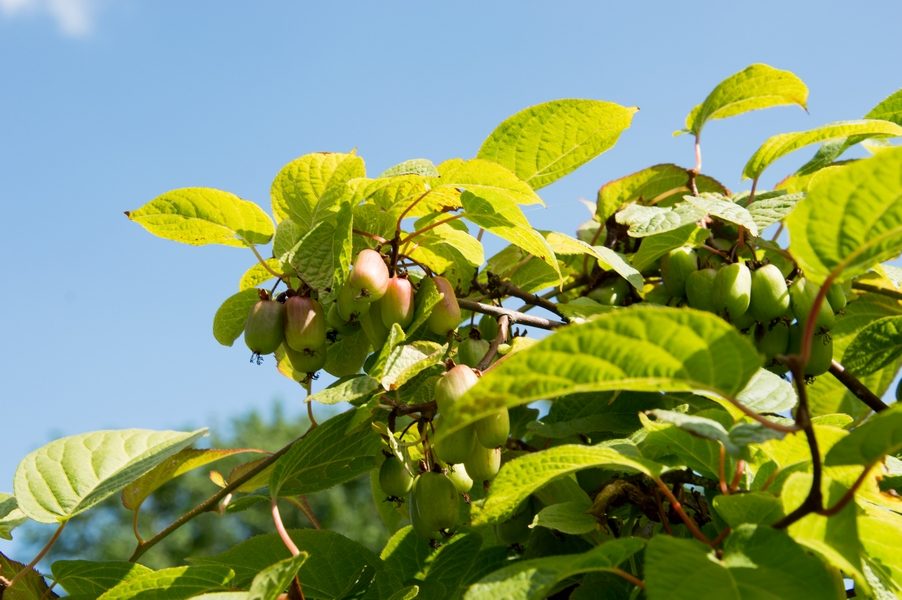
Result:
[[107, 103]]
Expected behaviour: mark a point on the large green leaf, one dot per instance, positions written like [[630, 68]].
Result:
[[230, 317], [534, 579], [335, 451], [87, 579], [486, 179], [757, 508], [607, 259], [875, 438], [876, 346], [69, 475], [175, 582], [299, 185], [199, 216], [851, 219], [323, 256], [755, 87], [644, 221], [641, 348], [545, 142], [29, 586], [448, 569], [770, 207], [346, 390], [758, 562], [784, 143], [650, 186], [567, 517], [525, 474], [724, 209]]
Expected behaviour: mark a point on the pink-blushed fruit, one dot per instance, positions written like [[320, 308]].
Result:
[[397, 304], [445, 315], [369, 277], [305, 323], [453, 385], [264, 330]]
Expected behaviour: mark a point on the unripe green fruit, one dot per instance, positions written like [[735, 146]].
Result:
[[773, 340], [453, 385], [305, 323], [455, 447], [700, 289], [676, 266], [265, 326], [516, 529], [483, 463], [470, 351], [445, 315], [350, 304], [611, 294], [373, 327], [393, 477], [770, 296], [460, 478], [836, 297], [803, 293], [306, 361], [493, 430], [732, 289], [488, 327], [434, 504], [397, 305], [369, 276], [334, 320], [657, 294], [821, 355], [743, 321]]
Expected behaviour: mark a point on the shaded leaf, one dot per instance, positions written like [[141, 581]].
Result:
[[568, 517], [87, 579], [275, 579], [876, 346], [875, 438], [175, 582], [10, 515], [346, 390], [230, 317]]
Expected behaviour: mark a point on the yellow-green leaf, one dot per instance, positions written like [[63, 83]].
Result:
[[301, 183], [200, 216]]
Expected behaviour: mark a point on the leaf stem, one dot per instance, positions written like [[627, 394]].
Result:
[[372, 236], [280, 527], [867, 287], [721, 470], [432, 225], [30, 566], [266, 266], [698, 156], [629, 577], [854, 385], [506, 287], [690, 523]]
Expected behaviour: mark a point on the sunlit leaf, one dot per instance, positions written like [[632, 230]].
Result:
[[300, 184]]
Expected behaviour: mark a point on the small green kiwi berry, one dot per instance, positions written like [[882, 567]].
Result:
[[264, 329]]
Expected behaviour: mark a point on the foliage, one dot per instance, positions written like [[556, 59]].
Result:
[[679, 424]]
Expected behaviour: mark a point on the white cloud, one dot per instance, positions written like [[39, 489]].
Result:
[[74, 17]]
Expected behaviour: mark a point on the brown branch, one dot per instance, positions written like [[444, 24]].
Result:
[[372, 236], [502, 336], [678, 508], [847, 497], [629, 577], [30, 566], [514, 315], [854, 385], [510, 289]]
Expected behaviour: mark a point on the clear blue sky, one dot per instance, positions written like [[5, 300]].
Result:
[[106, 104]]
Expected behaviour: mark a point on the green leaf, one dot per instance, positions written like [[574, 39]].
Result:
[[486, 179], [30, 586], [69, 475], [346, 390], [835, 538], [10, 515], [301, 183], [534, 579], [767, 392], [405, 555], [258, 274], [607, 259], [288, 234], [87, 579], [275, 579], [230, 317], [584, 414], [758, 562], [449, 567], [757, 508], [406, 361], [543, 143], [724, 209], [414, 166], [784, 143], [654, 185], [567, 517], [654, 247], [875, 438], [134, 494], [200, 216], [651, 220], [692, 443], [851, 219], [640, 348], [755, 87], [335, 451], [525, 474], [881, 536], [323, 256], [507, 221], [771, 207], [175, 582], [876, 346]]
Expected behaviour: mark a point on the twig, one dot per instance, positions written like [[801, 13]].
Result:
[[678, 508], [737, 476], [854, 385], [515, 316], [512, 290], [372, 236], [721, 470], [847, 497], [500, 338]]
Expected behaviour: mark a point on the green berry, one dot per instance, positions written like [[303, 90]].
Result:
[[770, 295], [305, 323], [264, 330]]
